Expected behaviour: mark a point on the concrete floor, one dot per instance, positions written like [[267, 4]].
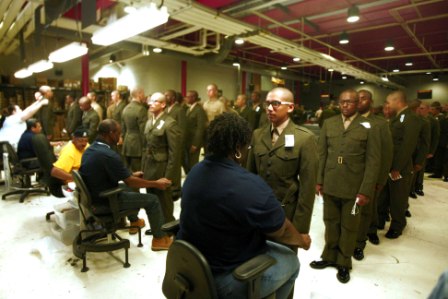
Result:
[[33, 263]]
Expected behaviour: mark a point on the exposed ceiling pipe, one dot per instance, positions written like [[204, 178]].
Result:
[[11, 14], [402, 56], [253, 8], [185, 31], [417, 72], [319, 41], [22, 19]]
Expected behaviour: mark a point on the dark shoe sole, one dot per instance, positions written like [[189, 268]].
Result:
[[318, 265]]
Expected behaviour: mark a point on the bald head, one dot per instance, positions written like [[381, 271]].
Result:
[[46, 91], [85, 104], [284, 94], [138, 94], [397, 100]]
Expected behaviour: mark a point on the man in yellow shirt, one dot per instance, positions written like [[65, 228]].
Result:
[[70, 156]]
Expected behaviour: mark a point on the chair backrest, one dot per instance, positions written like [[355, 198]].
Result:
[[12, 155], [188, 274], [84, 197]]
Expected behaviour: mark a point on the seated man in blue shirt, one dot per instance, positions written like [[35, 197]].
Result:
[[25, 149], [102, 168], [229, 213]]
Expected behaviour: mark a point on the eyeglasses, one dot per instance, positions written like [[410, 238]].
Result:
[[348, 102], [276, 104]]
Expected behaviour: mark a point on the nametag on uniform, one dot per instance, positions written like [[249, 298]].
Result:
[[289, 140], [366, 125], [402, 118], [162, 122], [257, 109]]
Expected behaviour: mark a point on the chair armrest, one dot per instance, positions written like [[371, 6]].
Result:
[[110, 192], [28, 160], [253, 268], [171, 227]]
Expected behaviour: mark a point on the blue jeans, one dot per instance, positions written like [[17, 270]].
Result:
[[134, 200], [279, 278], [440, 291]]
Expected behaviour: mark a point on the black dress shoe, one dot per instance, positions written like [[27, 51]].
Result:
[[420, 192], [392, 234], [358, 254], [148, 232], [343, 274], [373, 238], [380, 225], [321, 264], [445, 179], [434, 176], [408, 214], [413, 195]]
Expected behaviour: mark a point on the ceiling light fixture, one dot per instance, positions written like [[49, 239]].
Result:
[[112, 58], [428, 73], [353, 14], [284, 68], [344, 77], [142, 20], [384, 78], [145, 50], [396, 70], [23, 73], [296, 59], [239, 41], [40, 66], [236, 62], [409, 63], [328, 57], [157, 50], [69, 52], [389, 47], [331, 70], [343, 39], [362, 82], [435, 78]]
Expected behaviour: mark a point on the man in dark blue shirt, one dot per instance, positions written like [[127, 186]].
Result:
[[102, 169], [25, 147]]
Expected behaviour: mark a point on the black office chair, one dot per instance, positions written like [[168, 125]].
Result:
[[18, 174], [188, 275], [100, 223]]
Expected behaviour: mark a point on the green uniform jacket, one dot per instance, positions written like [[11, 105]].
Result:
[[404, 128], [74, 118], [435, 134], [196, 123], [424, 137], [327, 113], [161, 157], [258, 110], [46, 117], [90, 122], [387, 147], [117, 111], [349, 160], [249, 115], [289, 171], [133, 121]]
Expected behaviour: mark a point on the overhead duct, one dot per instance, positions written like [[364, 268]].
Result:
[[55, 8], [223, 52]]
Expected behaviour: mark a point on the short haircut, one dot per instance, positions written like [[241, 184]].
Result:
[[31, 123], [399, 95], [107, 126], [195, 94], [350, 90], [226, 133], [369, 94]]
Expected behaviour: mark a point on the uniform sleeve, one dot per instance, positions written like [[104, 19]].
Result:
[[387, 148], [322, 152], [372, 164], [173, 137], [307, 178], [408, 144], [423, 143], [250, 163], [198, 138]]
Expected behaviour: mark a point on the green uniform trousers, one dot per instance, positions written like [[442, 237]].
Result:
[[399, 201], [166, 202], [369, 221], [341, 230]]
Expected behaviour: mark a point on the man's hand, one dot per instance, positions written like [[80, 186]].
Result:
[[417, 167], [120, 141], [193, 149], [163, 183], [44, 102], [429, 156], [306, 241], [395, 175], [138, 174], [362, 200], [319, 189]]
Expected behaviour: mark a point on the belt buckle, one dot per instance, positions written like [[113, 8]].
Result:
[[340, 159]]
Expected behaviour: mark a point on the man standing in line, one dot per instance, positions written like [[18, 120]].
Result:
[[213, 106], [90, 119], [196, 122], [133, 120], [369, 213], [440, 159], [161, 154], [95, 105], [116, 108], [45, 114], [349, 159], [403, 126], [74, 115], [245, 112], [257, 107], [175, 110]]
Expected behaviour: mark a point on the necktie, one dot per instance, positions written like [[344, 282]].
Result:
[[346, 122], [274, 136]]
